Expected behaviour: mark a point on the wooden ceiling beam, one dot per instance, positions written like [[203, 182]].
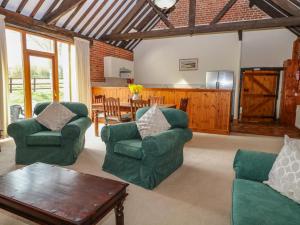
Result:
[[24, 22], [134, 11], [287, 6], [296, 2], [161, 14], [223, 27], [4, 3], [118, 17], [73, 28], [109, 19], [222, 13], [21, 5], [74, 13], [50, 9], [36, 8], [62, 9], [192, 14], [101, 17]]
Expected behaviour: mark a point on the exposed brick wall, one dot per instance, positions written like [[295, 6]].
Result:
[[206, 10], [97, 53]]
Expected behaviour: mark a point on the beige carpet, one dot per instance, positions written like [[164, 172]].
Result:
[[198, 193]]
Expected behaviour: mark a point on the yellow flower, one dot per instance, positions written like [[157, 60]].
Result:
[[135, 88]]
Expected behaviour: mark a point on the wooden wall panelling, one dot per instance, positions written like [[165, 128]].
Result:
[[208, 110]]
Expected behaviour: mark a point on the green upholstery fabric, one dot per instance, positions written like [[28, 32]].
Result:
[[35, 143], [130, 148], [44, 138], [251, 165], [254, 202], [149, 161]]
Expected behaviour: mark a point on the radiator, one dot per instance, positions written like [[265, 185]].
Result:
[[297, 122]]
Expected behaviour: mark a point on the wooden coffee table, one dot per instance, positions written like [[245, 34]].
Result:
[[54, 196]]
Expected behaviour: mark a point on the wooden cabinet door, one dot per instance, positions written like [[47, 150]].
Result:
[[259, 96]]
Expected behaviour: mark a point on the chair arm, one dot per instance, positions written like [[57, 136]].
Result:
[[119, 132], [76, 127], [165, 142], [24, 128], [252, 165]]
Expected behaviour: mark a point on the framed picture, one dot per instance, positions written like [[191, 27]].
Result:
[[188, 64]]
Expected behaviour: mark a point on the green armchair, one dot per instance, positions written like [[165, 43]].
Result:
[[36, 143], [149, 161], [254, 202]]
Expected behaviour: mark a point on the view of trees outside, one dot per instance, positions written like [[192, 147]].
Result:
[[40, 69]]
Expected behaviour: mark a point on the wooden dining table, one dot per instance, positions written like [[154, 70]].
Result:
[[124, 107]]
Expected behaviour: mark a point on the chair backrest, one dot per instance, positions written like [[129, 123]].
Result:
[[157, 100], [183, 104], [137, 104], [79, 109], [175, 117], [98, 99], [112, 107]]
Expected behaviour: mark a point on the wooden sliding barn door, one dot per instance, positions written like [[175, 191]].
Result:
[[259, 96]]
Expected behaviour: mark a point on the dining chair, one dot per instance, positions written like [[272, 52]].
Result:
[[157, 100], [99, 100], [112, 111], [183, 104], [136, 104]]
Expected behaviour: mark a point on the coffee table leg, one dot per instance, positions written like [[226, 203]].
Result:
[[119, 213]]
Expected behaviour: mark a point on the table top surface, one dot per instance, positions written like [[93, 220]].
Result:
[[59, 192]]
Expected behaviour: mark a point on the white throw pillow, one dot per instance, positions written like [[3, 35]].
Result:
[[55, 116], [152, 122], [284, 176]]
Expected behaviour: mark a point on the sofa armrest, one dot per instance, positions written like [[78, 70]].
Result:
[[24, 128], [252, 165], [76, 128], [119, 132], [165, 142]]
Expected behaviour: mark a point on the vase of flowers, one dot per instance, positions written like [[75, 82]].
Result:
[[135, 90]]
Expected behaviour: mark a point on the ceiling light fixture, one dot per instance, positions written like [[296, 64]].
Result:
[[164, 4]]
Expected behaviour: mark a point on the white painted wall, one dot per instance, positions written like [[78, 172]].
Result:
[[157, 60], [267, 48]]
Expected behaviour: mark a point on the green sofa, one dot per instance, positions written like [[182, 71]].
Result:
[[254, 203], [149, 161], [36, 143]]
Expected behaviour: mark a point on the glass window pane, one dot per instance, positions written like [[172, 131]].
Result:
[[41, 80], [16, 97], [38, 43], [64, 71]]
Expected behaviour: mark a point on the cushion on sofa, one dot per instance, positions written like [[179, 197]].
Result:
[[130, 148], [257, 203], [44, 138]]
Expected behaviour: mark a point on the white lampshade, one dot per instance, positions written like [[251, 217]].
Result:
[[165, 4]]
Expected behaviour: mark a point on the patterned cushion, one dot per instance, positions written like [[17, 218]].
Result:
[[55, 116], [284, 176], [152, 122]]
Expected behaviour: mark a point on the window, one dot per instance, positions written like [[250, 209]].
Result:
[[16, 97], [41, 44], [39, 71]]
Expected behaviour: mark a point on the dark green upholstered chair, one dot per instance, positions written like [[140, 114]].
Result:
[[149, 161], [35, 143], [255, 202]]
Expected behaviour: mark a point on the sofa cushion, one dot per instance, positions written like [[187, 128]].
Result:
[[44, 138], [257, 203], [130, 148]]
